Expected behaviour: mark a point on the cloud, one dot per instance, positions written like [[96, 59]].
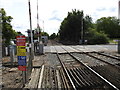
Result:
[[55, 18], [52, 12], [101, 9], [55, 15], [113, 9]]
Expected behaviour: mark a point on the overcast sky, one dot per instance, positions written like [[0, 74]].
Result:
[[52, 12]]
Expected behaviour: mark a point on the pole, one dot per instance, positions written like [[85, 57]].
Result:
[[43, 25], [31, 56], [1, 78], [24, 78], [119, 9], [119, 24], [38, 23], [82, 30], [30, 22]]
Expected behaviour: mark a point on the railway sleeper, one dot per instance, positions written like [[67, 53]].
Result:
[[115, 79], [81, 77], [87, 75], [76, 83], [94, 79], [84, 76]]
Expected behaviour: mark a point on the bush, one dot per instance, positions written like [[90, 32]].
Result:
[[97, 38]]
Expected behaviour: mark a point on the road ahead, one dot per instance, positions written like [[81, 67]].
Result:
[[81, 48]]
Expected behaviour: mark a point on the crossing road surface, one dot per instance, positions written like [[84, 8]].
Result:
[[81, 48]]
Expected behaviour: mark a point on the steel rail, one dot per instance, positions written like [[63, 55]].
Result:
[[108, 55], [97, 74], [118, 67], [64, 68], [66, 73]]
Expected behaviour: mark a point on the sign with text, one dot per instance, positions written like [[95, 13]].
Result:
[[21, 49], [22, 60], [21, 52], [22, 68], [21, 40]]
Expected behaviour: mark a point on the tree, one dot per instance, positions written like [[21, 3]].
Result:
[[70, 29], [44, 34], [37, 32], [76, 27], [53, 36], [7, 32], [94, 37], [110, 26]]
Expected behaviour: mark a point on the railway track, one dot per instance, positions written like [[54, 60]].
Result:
[[105, 57], [76, 75], [79, 71]]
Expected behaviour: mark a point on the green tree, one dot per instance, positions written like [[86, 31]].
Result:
[[7, 32], [95, 37], [53, 36], [110, 26], [44, 34], [37, 32], [75, 27], [70, 29]]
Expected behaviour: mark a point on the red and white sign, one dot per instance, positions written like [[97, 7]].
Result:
[[22, 68], [21, 52], [21, 40]]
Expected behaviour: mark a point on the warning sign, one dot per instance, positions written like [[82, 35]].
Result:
[[21, 40], [22, 60], [21, 52], [21, 49], [22, 68]]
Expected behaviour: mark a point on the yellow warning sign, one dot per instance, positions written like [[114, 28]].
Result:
[[21, 53], [21, 49]]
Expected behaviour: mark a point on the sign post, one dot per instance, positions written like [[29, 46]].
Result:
[[21, 55]]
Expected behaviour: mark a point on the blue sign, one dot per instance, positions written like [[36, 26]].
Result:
[[22, 60]]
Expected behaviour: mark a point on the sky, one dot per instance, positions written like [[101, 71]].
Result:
[[53, 12]]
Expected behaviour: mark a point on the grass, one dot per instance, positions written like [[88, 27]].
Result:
[[114, 41]]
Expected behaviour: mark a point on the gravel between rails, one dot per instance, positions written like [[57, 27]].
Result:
[[89, 60], [108, 59], [109, 72]]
